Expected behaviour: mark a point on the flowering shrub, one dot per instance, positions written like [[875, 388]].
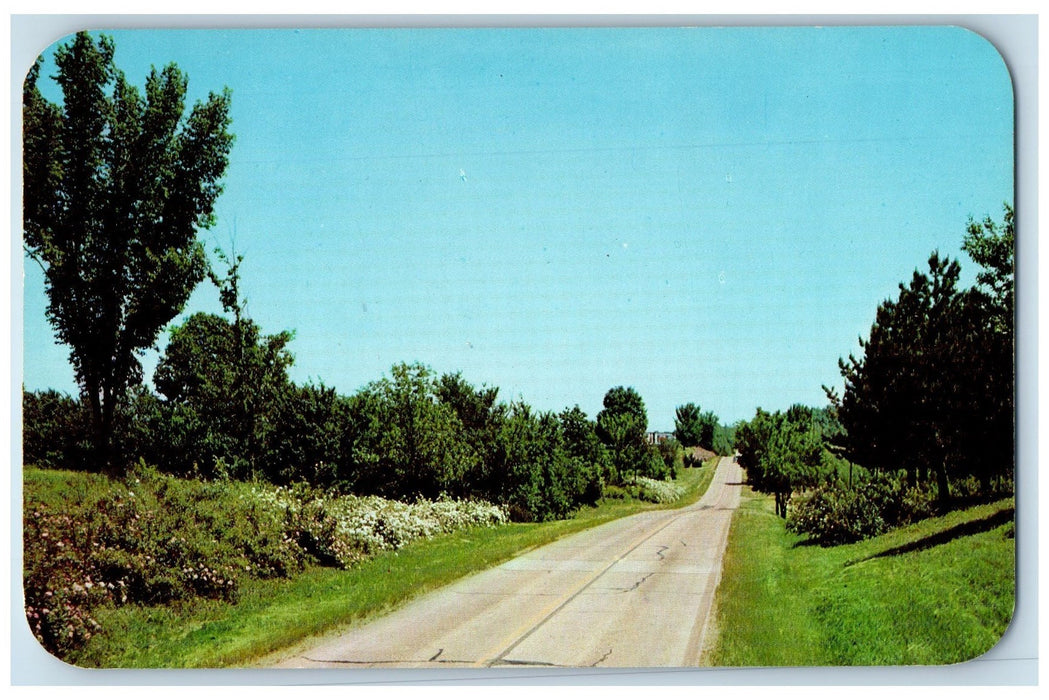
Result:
[[656, 491], [339, 531], [150, 539]]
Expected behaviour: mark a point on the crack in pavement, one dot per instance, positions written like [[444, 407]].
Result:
[[607, 654], [386, 662], [524, 662], [659, 552], [636, 583]]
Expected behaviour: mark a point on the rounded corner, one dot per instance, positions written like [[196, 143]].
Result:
[[32, 56], [980, 657], [981, 36], [27, 632]]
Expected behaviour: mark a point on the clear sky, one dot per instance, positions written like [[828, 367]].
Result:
[[707, 215]]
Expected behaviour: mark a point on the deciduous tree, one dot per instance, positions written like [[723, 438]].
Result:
[[621, 425], [693, 426], [781, 452], [116, 184], [223, 383]]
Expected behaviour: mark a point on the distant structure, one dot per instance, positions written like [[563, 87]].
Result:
[[656, 437]]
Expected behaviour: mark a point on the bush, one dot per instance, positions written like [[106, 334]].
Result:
[[56, 430], [834, 514], [672, 455], [150, 539], [655, 491]]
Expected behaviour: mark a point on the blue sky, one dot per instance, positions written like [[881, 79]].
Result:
[[707, 215]]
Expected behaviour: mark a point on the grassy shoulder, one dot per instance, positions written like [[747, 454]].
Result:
[[275, 615], [940, 591]]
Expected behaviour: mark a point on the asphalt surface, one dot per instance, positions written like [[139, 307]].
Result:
[[635, 592]]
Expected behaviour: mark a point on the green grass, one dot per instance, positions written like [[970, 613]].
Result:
[[937, 592], [275, 615]]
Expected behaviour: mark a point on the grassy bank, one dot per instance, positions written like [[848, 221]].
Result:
[[271, 615], [940, 591]]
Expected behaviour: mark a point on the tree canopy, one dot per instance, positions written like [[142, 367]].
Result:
[[621, 425], [693, 427], [781, 452], [116, 184], [992, 246], [933, 391], [223, 383]]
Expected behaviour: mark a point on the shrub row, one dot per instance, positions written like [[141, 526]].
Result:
[[151, 539]]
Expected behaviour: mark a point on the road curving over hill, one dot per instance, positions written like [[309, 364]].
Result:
[[633, 592]]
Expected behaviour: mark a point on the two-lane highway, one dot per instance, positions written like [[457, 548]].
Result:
[[630, 593]]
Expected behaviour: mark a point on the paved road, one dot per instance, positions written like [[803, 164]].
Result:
[[630, 593]]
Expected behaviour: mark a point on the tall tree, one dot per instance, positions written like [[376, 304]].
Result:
[[932, 391], [624, 400], [115, 186], [693, 426], [993, 247], [687, 425], [621, 425]]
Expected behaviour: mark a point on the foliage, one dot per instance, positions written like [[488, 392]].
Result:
[[724, 439], [621, 426], [223, 383], [694, 427], [409, 442], [309, 437], [624, 401], [151, 539], [933, 389], [781, 452], [481, 418], [55, 429], [836, 514], [583, 446], [672, 454], [992, 246], [541, 479], [115, 186]]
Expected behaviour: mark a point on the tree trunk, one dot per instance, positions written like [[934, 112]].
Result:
[[781, 504], [943, 494]]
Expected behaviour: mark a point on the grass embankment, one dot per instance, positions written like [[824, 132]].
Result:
[[272, 615], [937, 592]]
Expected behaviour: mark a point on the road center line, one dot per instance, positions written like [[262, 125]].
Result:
[[523, 632]]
